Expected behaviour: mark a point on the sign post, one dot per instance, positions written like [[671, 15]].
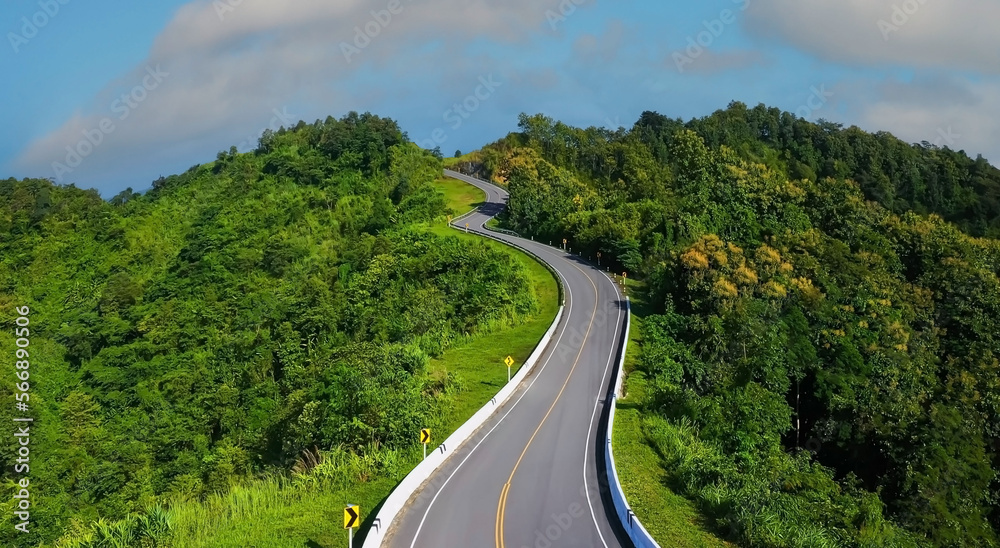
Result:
[[425, 438], [509, 361], [598, 258], [352, 517]]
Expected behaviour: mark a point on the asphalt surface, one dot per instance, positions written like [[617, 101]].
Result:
[[531, 476]]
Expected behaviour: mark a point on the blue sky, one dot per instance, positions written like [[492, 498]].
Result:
[[110, 95]]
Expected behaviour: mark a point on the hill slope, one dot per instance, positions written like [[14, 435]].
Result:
[[821, 368], [238, 316]]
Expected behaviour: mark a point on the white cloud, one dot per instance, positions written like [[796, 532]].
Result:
[[227, 69], [950, 34], [944, 112]]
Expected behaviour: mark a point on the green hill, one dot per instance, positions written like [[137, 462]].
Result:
[[819, 359], [285, 314]]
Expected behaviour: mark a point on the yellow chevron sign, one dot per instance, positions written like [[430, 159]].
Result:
[[352, 516]]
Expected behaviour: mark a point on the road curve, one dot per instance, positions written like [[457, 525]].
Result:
[[531, 476]]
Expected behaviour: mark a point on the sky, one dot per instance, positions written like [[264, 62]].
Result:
[[110, 95]]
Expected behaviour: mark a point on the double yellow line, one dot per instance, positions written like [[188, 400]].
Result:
[[502, 504]]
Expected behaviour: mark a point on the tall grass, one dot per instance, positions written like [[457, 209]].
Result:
[[149, 530], [275, 511]]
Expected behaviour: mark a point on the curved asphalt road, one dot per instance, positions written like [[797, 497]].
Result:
[[530, 477]]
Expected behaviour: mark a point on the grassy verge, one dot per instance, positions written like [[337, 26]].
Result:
[[460, 197], [671, 519], [479, 363], [274, 513]]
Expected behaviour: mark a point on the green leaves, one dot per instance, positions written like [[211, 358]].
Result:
[[213, 329], [808, 302]]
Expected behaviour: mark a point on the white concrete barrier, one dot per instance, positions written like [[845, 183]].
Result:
[[630, 523], [411, 484]]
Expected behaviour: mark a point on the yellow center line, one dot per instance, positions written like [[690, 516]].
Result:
[[502, 505], [499, 522]]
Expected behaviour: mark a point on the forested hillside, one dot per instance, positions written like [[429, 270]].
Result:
[[233, 319], [823, 362]]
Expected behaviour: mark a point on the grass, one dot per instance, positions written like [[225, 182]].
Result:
[[270, 513], [479, 364], [460, 197], [671, 519], [273, 513]]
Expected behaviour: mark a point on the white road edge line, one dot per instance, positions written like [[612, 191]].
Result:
[[590, 428], [537, 375]]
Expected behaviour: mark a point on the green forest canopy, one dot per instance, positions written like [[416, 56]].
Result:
[[823, 362], [824, 358], [234, 316]]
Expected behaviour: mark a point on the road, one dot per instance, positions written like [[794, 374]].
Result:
[[529, 478]]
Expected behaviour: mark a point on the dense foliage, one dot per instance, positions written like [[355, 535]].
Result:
[[823, 363], [232, 318]]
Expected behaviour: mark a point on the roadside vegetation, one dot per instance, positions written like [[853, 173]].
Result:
[[670, 518], [819, 364], [460, 198], [231, 357]]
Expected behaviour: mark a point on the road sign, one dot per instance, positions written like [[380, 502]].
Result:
[[352, 516], [509, 361], [624, 274], [425, 438]]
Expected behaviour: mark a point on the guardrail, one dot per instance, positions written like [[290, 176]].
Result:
[[629, 521], [515, 245], [550, 268], [413, 481], [502, 231], [464, 215], [407, 488]]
